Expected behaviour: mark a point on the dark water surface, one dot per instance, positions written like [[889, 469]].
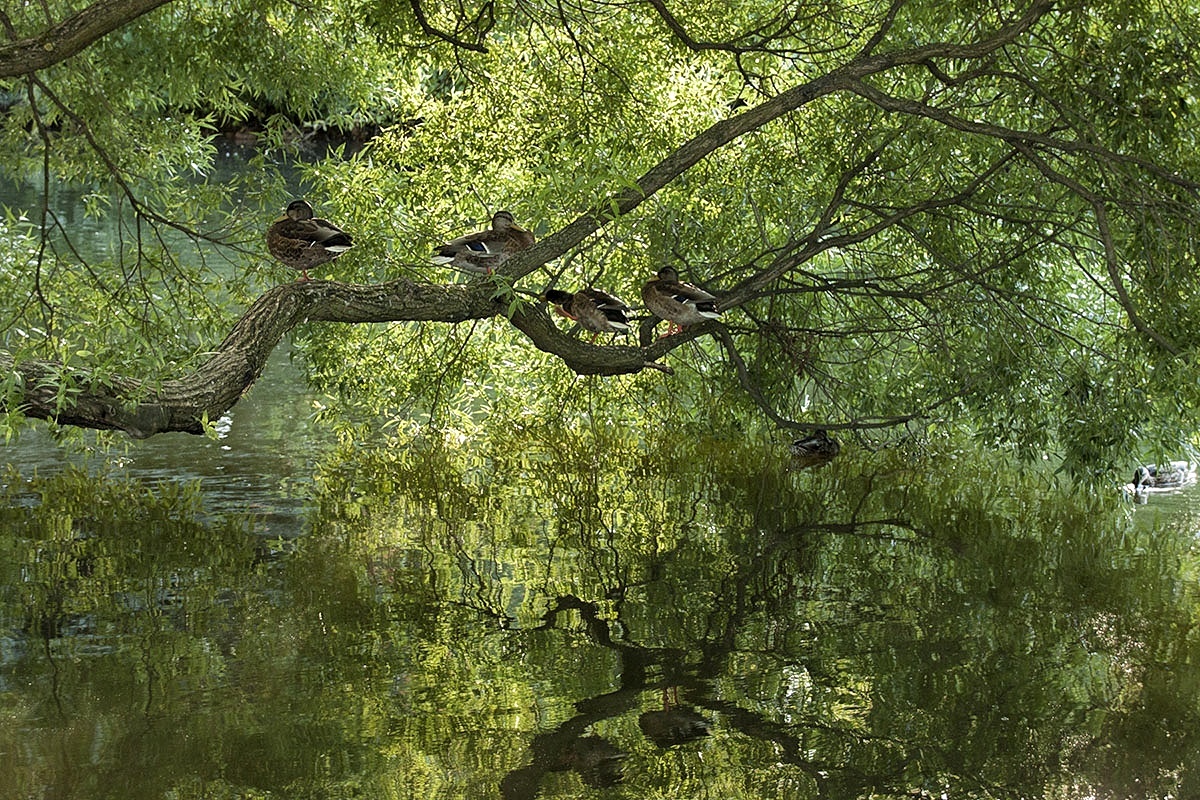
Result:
[[461, 620], [260, 463]]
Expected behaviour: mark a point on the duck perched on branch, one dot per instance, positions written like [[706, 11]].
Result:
[[481, 252], [1161, 477], [814, 450], [302, 241], [595, 310], [680, 304]]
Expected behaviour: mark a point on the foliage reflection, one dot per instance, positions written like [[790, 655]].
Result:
[[565, 613]]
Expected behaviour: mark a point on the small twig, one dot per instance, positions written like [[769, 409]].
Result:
[[430, 30]]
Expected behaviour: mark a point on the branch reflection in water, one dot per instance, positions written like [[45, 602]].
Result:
[[514, 622]]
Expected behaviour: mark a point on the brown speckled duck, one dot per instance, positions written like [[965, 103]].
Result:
[[680, 304], [302, 241], [481, 252], [595, 310]]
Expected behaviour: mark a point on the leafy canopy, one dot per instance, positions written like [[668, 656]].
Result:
[[936, 214]]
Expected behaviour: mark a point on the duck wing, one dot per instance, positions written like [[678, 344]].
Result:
[[689, 295], [481, 246], [326, 234], [614, 309]]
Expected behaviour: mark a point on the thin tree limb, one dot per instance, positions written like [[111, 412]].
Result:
[[430, 30]]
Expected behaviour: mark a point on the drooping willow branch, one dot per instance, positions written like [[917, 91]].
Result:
[[1028, 144]]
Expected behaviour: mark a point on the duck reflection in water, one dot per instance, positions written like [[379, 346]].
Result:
[[674, 725], [1160, 477], [597, 760], [814, 450]]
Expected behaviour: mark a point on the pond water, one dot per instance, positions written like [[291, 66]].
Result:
[[260, 463], [558, 612], [455, 620]]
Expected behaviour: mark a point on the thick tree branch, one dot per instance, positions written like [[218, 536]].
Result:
[[143, 408], [60, 42], [581, 357]]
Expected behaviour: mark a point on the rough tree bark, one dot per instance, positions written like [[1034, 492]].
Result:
[[63, 40], [143, 408]]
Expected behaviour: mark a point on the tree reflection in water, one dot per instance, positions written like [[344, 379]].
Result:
[[462, 623]]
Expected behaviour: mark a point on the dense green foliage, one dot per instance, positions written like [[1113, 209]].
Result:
[[457, 619], [1001, 240], [938, 218]]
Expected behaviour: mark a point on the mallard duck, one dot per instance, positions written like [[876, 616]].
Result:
[[302, 242], [595, 310], [680, 304], [1161, 477], [814, 450], [481, 252]]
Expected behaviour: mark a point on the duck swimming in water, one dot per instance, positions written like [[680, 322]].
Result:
[[1161, 477]]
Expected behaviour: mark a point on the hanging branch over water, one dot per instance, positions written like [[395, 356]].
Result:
[[143, 407]]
